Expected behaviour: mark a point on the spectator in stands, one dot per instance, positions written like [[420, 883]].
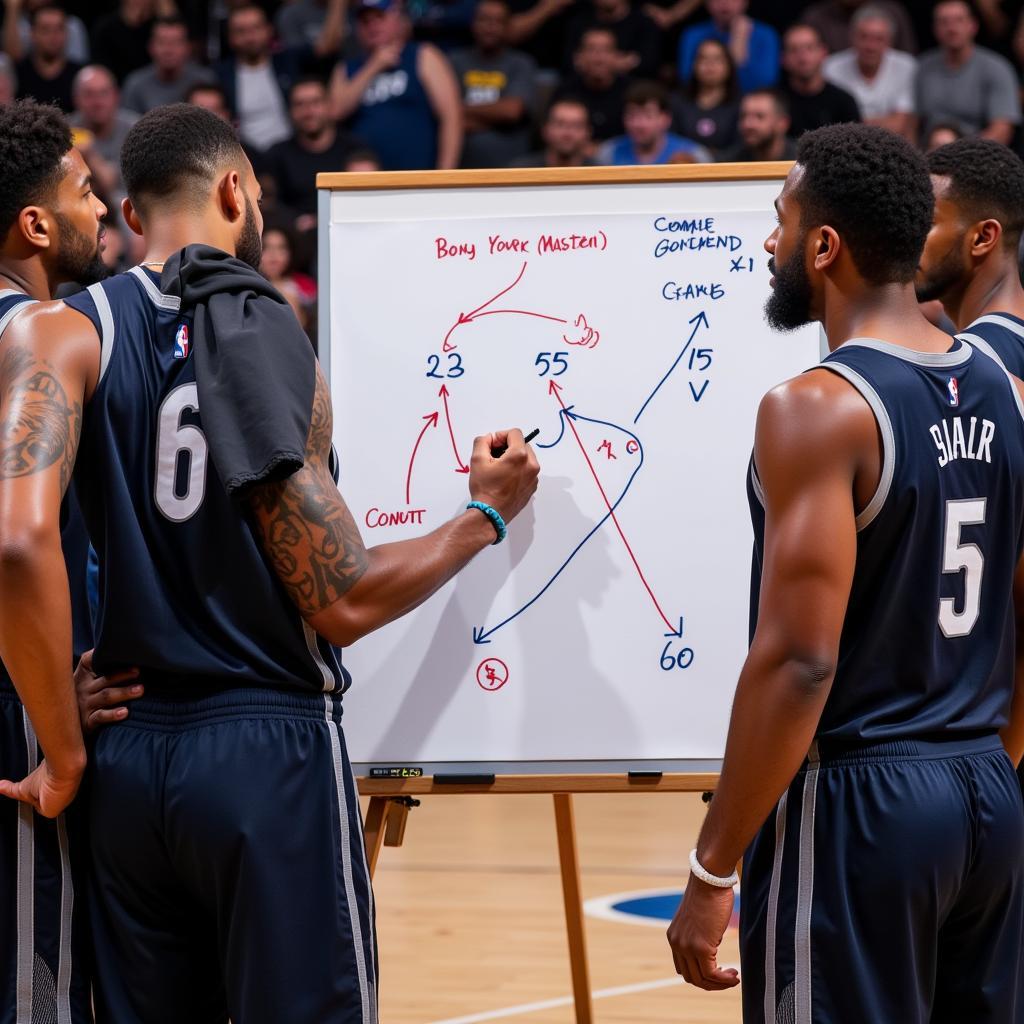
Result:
[[402, 97], [362, 161], [171, 74], [497, 91], [8, 81], [754, 46], [648, 117], [597, 83], [98, 113], [764, 128], [966, 84], [316, 144], [833, 20], [636, 36], [878, 77], [813, 102], [941, 135], [539, 28], [46, 74], [120, 38], [709, 107], [276, 267], [256, 80], [17, 32], [211, 96], [566, 137]]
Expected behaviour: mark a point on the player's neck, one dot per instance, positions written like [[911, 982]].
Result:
[[888, 312], [26, 276], [169, 234], [995, 291]]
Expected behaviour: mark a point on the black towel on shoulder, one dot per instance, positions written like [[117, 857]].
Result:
[[255, 367]]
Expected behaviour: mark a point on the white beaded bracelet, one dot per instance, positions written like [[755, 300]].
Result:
[[699, 871]]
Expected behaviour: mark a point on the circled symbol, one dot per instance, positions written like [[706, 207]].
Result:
[[492, 674]]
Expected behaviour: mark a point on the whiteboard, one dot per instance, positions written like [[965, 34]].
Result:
[[624, 320]]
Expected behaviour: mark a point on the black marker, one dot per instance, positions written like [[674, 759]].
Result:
[[498, 452]]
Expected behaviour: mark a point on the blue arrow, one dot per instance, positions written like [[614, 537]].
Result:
[[700, 318], [678, 633], [480, 634]]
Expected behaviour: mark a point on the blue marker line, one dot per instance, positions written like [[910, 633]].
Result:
[[696, 321], [479, 633]]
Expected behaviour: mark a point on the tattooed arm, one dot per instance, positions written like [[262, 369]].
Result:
[[345, 590], [48, 361]]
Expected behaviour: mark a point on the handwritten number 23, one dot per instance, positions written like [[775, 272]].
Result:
[[455, 367]]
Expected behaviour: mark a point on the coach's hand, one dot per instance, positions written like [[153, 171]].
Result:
[[505, 482], [100, 700], [696, 933], [48, 792]]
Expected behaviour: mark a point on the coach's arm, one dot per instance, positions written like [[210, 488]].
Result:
[[47, 368], [815, 436], [345, 590]]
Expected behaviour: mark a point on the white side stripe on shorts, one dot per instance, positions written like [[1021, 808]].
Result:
[[805, 894], [26, 890], [772, 917]]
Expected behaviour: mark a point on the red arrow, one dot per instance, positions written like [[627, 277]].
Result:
[[431, 422], [465, 318], [554, 388], [521, 312], [443, 394]]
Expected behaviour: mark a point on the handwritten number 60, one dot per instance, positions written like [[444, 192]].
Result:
[[683, 659]]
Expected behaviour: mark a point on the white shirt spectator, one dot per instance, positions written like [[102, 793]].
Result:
[[891, 91], [262, 117]]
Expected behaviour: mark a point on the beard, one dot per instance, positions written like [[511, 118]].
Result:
[[79, 258], [249, 248], [941, 279], [789, 305]]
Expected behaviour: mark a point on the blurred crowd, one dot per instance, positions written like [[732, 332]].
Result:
[[355, 85]]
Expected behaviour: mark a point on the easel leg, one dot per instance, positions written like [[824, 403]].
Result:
[[373, 829], [565, 826]]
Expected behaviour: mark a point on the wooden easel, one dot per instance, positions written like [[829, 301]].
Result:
[[388, 815]]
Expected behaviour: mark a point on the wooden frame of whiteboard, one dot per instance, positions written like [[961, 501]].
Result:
[[387, 812]]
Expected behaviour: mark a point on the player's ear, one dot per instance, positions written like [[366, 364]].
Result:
[[230, 196], [985, 236], [826, 247], [131, 216], [33, 223]]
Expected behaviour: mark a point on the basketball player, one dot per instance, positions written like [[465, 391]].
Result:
[[970, 260], [229, 871], [864, 773], [49, 234]]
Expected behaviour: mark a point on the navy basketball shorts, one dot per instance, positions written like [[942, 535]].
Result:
[[228, 871], [44, 976], [888, 888]]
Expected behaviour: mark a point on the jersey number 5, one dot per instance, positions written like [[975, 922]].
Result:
[[176, 441], [957, 557]]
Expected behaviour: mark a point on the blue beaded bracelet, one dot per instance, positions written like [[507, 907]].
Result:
[[495, 517]]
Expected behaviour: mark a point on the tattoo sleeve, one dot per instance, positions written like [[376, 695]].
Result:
[[305, 526], [39, 425]]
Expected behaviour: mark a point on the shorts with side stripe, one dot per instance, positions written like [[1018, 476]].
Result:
[[888, 888], [43, 937], [228, 872]]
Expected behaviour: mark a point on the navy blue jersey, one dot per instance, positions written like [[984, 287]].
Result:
[[73, 537], [184, 589], [927, 647], [1000, 335]]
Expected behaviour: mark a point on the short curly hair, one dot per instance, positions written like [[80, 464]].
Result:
[[873, 187], [986, 179], [174, 151], [34, 138]]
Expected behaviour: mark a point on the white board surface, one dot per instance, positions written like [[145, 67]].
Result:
[[625, 321]]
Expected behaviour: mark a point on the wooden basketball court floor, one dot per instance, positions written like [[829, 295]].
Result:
[[470, 916]]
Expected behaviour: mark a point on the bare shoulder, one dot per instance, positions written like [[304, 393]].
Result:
[[57, 335], [814, 419]]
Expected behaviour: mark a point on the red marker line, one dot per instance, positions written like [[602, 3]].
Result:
[[465, 318], [443, 393], [520, 312], [431, 422], [555, 389]]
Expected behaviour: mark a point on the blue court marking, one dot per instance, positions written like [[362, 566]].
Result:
[[653, 907]]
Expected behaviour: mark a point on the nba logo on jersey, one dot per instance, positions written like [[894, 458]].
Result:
[[181, 343], [951, 385]]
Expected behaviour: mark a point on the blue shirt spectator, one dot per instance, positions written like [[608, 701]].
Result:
[[754, 46], [647, 117]]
